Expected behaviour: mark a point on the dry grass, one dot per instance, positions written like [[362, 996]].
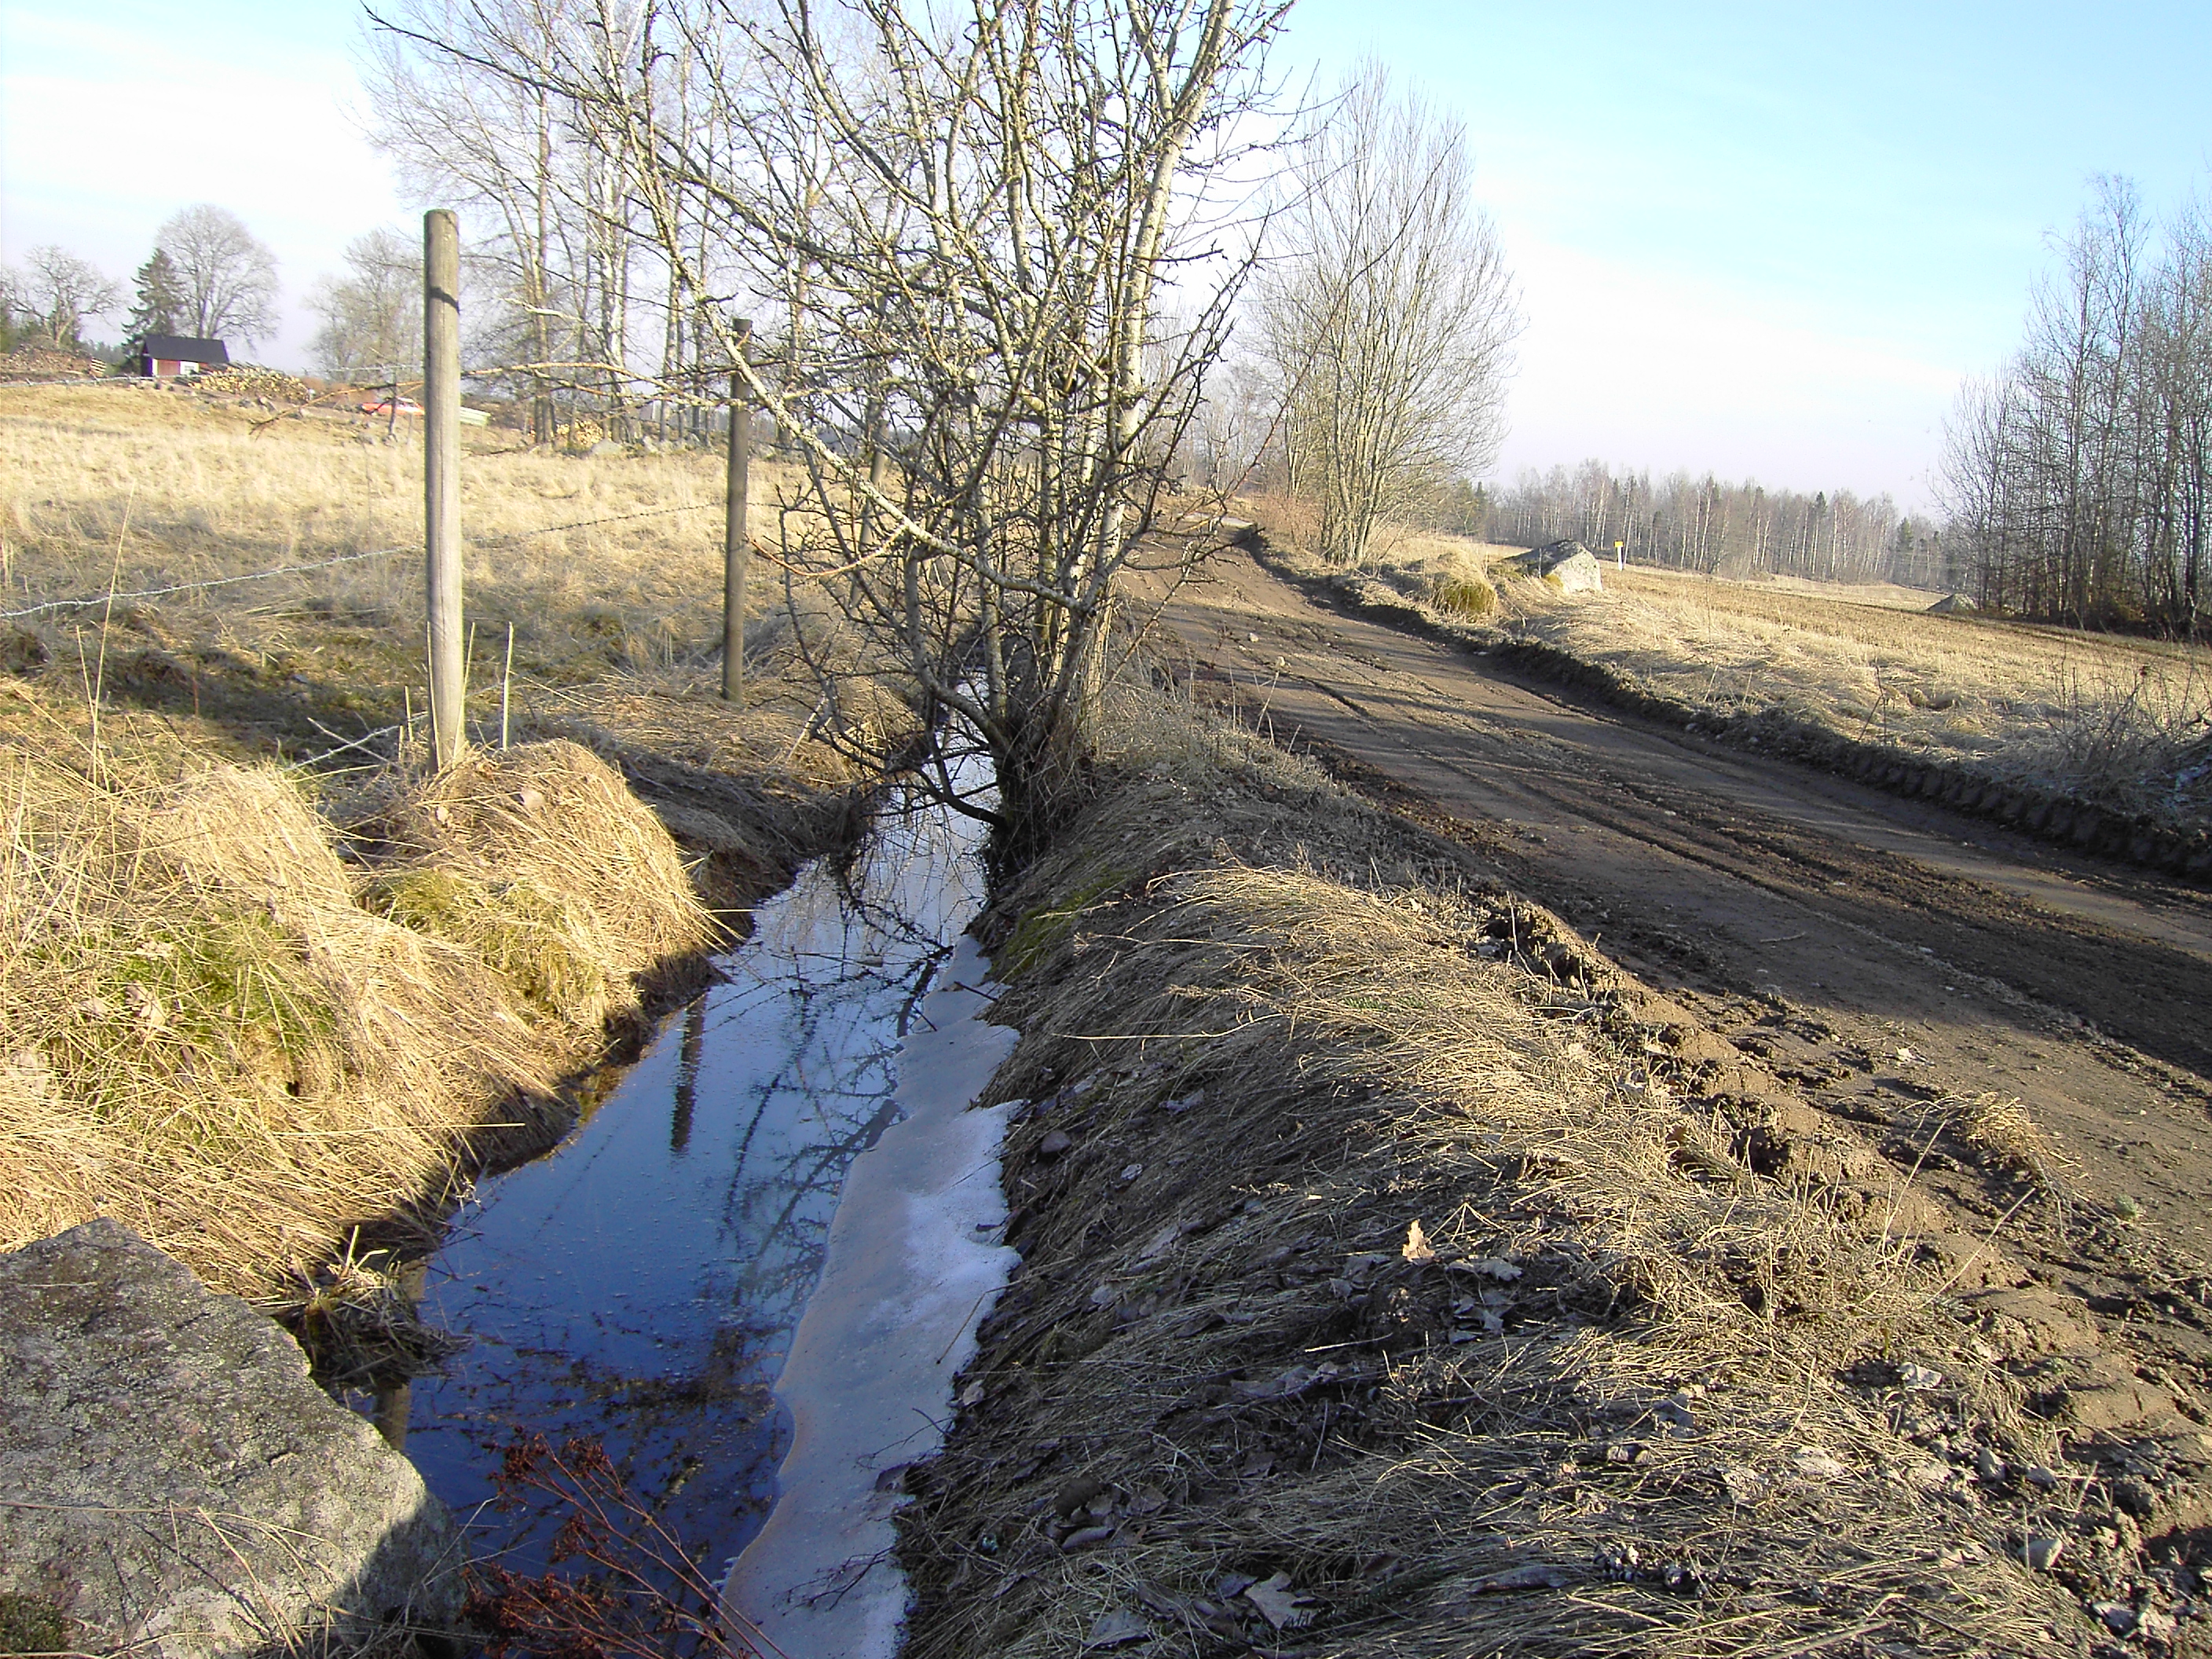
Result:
[[106, 483], [616, 626], [543, 864], [209, 1036], [2002, 1127], [2121, 723], [1637, 1400]]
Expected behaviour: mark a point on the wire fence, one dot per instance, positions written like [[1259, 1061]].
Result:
[[112, 596]]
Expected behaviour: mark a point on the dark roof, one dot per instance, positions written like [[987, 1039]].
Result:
[[183, 349]]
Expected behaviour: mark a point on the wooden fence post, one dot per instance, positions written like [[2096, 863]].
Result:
[[441, 479], [737, 546]]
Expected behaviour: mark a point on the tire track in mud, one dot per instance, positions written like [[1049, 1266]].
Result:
[[2143, 992]]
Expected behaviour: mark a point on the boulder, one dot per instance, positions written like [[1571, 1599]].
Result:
[[1950, 605], [172, 1483], [1569, 565]]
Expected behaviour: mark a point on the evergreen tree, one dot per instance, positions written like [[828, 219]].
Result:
[[160, 297]]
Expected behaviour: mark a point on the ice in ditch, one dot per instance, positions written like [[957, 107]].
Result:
[[907, 1276]]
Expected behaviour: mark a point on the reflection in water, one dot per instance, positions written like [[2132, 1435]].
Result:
[[687, 1077], [641, 1286]]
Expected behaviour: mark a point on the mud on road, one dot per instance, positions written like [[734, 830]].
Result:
[[1885, 965]]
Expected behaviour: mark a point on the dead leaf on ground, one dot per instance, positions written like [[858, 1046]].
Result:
[[1490, 1266], [1417, 1247], [1077, 1493], [1745, 1485], [1532, 1575], [1819, 1463], [1116, 1630], [1161, 1241], [1281, 1606]]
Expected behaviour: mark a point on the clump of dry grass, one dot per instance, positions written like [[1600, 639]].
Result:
[[2141, 743], [1625, 1397], [1999, 1125], [207, 1036], [540, 862], [1461, 588]]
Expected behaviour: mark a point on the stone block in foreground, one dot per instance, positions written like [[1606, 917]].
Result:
[[172, 1483]]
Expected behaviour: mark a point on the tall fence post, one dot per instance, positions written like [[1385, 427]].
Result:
[[737, 546], [441, 479]]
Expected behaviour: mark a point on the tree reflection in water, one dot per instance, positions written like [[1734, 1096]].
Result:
[[639, 1283]]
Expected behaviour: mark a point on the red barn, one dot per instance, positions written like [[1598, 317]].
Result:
[[166, 356]]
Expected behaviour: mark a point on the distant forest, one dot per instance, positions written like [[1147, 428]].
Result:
[[1704, 525], [2079, 478]]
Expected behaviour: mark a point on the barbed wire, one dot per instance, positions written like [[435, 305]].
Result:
[[324, 564], [187, 587]]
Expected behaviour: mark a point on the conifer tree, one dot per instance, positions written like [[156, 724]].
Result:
[[160, 297]]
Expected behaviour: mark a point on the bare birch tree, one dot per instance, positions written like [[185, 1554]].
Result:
[[2079, 479], [1388, 315], [372, 316]]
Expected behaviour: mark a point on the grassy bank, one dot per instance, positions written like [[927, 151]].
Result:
[[244, 1047], [1396, 1280], [271, 992]]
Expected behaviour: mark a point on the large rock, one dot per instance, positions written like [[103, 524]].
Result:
[[171, 1482], [1569, 565]]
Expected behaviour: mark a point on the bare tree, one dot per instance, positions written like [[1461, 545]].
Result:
[[550, 194], [373, 315], [229, 277], [483, 134], [63, 293], [955, 230], [2079, 479], [1388, 315], [15, 308]]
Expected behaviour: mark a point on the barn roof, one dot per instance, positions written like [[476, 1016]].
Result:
[[183, 349]]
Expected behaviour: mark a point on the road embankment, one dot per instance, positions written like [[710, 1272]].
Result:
[[1399, 1277], [2050, 815]]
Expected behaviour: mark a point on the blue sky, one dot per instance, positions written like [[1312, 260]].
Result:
[[1767, 240], [1770, 239]]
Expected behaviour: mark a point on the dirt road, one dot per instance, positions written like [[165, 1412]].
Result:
[[1889, 962]]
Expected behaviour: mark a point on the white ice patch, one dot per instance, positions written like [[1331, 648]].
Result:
[[869, 1380]]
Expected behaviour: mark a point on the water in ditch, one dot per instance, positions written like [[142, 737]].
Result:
[[640, 1284]]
